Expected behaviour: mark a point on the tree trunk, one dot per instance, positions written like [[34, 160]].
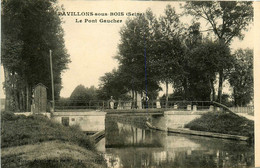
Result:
[[135, 99], [166, 95], [133, 96], [23, 99], [20, 98], [185, 87], [220, 83], [16, 99], [211, 82], [235, 98], [8, 95], [28, 97]]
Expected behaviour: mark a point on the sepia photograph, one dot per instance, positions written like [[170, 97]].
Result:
[[129, 84]]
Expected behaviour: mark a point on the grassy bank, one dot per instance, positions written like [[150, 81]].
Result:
[[27, 132], [225, 123]]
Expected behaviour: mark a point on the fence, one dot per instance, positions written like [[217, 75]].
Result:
[[247, 110]]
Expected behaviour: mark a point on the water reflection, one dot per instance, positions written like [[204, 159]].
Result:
[[133, 145]]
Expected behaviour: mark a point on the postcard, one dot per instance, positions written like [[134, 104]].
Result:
[[129, 83]]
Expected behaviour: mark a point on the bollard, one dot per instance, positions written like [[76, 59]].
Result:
[[189, 107], [211, 108], [158, 104], [194, 108]]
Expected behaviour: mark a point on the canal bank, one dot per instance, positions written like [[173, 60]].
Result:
[[212, 124], [37, 141]]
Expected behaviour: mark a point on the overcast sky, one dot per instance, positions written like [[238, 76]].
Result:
[[92, 46]]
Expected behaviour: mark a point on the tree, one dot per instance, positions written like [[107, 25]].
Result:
[[241, 77], [205, 61], [113, 84], [81, 95], [191, 38], [29, 30], [135, 51], [226, 21], [169, 51]]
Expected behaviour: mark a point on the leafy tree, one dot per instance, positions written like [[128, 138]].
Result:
[[29, 30], [81, 95], [92, 91], [226, 20], [169, 51], [192, 38], [135, 54], [113, 84], [241, 77], [205, 61], [227, 100]]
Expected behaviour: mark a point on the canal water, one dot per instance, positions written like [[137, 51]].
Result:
[[129, 143]]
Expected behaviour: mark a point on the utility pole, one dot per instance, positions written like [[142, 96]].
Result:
[[52, 83]]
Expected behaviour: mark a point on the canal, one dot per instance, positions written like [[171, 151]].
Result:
[[129, 143]]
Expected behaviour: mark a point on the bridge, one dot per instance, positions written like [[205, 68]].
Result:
[[91, 117]]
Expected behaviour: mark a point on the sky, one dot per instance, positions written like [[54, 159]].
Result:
[[92, 46]]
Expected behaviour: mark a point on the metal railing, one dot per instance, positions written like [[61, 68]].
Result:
[[117, 104], [151, 104]]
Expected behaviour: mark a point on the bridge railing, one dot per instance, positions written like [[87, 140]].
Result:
[[119, 104], [151, 104]]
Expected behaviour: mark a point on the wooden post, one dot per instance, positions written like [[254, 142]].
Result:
[[52, 83]]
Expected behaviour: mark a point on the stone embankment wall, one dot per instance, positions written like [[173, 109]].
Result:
[[88, 121], [179, 120]]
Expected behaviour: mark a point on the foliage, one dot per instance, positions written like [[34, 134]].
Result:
[[226, 20], [205, 60], [227, 100], [135, 54], [192, 38], [113, 84], [81, 95], [241, 77], [169, 51], [164, 50], [29, 30]]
